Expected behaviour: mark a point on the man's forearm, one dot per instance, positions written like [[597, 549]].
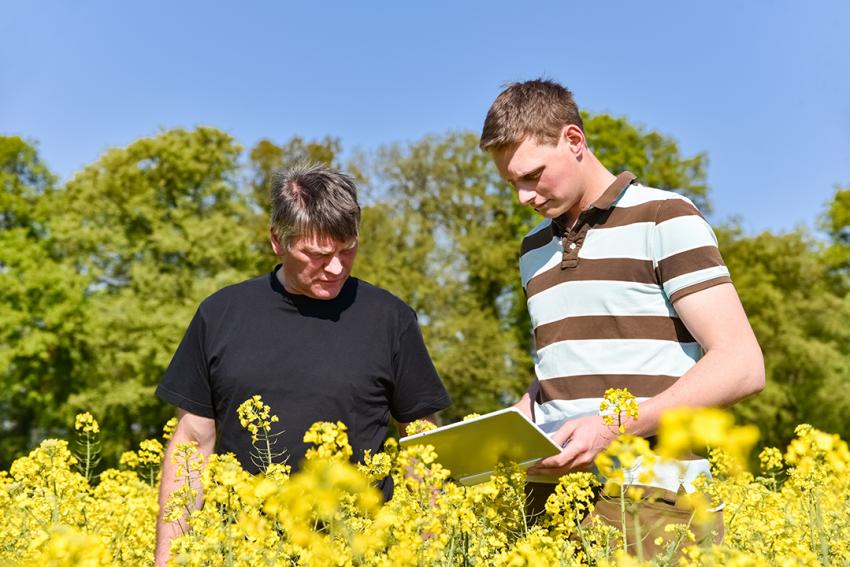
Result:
[[190, 429], [731, 369], [165, 530], [719, 379]]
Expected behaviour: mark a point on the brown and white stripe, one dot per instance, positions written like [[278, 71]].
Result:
[[601, 296]]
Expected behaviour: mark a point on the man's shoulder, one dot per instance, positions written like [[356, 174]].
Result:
[[379, 296], [537, 237], [640, 195], [542, 225], [247, 291]]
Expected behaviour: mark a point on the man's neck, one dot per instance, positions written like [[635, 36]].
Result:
[[596, 181], [282, 279]]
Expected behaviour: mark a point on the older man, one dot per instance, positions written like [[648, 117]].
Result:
[[315, 343]]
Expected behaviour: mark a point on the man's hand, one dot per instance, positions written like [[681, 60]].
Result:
[[585, 438]]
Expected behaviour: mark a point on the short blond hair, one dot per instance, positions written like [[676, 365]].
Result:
[[538, 109]]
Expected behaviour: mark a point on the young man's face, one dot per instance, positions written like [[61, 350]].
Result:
[[546, 176], [315, 267]]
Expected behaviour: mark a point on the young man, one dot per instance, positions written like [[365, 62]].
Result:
[[316, 344], [625, 286]]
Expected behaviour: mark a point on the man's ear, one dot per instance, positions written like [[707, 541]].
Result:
[[277, 245], [574, 137]]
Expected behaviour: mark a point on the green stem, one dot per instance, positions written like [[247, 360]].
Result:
[[268, 450], [88, 458], [638, 537], [623, 516], [55, 515], [824, 545]]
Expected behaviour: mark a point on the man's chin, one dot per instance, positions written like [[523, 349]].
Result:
[[551, 212], [327, 292]]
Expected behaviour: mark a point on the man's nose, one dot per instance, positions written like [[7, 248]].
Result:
[[334, 265], [526, 196]]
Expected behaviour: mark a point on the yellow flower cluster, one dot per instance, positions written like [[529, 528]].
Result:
[[169, 428], [791, 512], [51, 515], [255, 416], [146, 460], [617, 405], [330, 440], [85, 423], [621, 456], [88, 447], [684, 430]]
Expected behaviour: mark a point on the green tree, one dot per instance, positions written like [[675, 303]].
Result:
[[836, 223], [158, 226], [801, 325], [654, 157], [42, 302]]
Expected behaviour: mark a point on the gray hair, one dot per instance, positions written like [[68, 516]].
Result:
[[314, 201]]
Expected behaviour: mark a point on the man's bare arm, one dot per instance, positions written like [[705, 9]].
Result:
[[526, 402], [190, 427], [731, 369]]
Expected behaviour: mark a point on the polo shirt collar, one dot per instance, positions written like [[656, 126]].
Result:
[[614, 190], [605, 201]]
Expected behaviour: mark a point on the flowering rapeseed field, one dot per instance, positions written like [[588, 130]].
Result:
[[54, 511]]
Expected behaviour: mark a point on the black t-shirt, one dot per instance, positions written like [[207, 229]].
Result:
[[357, 358]]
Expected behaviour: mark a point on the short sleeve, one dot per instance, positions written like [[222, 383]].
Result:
[[684, 249], [186, 382], [417, 389]]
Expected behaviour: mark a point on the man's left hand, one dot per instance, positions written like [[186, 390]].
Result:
[[583, 439]]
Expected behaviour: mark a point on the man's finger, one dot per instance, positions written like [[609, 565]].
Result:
[[562, 460], [564, 433]]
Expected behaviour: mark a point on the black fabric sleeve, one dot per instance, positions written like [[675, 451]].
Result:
[[186, 382], [417, 389]]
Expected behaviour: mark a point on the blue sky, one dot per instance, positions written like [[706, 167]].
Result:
[[763, 87]]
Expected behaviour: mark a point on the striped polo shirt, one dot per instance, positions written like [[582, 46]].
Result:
[[600, 296]]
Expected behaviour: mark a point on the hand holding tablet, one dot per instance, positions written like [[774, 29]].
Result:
[[471, 449]]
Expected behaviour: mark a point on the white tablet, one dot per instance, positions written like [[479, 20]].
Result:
[[471, 449]]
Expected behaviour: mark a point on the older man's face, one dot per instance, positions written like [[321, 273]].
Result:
[[315, 267]]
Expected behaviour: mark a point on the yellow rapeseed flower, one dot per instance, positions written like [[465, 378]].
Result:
[[85, 423]]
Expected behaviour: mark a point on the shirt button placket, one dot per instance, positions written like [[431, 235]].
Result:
[[570, 257]]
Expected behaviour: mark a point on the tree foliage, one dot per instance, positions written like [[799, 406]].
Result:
[[800, 321], [836, 223], [653, 157], [141, 236], [42, 304]]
